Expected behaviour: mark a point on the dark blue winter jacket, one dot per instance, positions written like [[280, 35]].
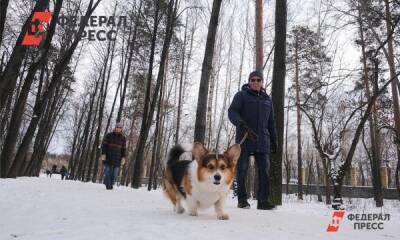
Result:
[[256, 111]]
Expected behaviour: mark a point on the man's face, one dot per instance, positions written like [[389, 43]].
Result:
[[255, 83], [118, 130]]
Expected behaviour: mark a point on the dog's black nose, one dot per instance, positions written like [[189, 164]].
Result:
[[217, 177]]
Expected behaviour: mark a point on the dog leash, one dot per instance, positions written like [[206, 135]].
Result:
[[244, 137]]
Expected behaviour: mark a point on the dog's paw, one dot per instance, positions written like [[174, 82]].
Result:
[[180, 210], [223, 216], [193, 213]]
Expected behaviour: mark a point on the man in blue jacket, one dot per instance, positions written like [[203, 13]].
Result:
[[251, 111]]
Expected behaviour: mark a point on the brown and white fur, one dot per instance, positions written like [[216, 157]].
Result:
[[202, 181]]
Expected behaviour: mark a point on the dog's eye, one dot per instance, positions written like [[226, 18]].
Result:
[[222, 167], [211, 167]]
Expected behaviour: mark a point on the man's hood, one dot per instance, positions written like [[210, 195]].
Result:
[[246, 87]]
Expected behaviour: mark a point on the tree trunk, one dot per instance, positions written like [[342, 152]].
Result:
[[398, 171], [103, 95], [299, 147], [157, 139], [209, 115], [76, 145], [395, 93], [128, 69], [318, 180], [375, 142], [3, 13], [11, 72], [178, 117], [89, 149], [362, 174], [138, 166], [259, 34], [227, 92], [200, 124], [372, 119], [287, 161], [243, 46], [278, 98], [149, 110]]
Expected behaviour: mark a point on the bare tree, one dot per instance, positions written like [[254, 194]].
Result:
[[200, 124], [149, 107], [278, 97]]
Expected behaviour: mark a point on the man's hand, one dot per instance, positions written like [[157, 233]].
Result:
[[123, 161], [103, 157], [251, 134]]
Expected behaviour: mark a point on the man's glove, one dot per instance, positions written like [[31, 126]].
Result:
[[250, 133], [123, 161], [274, 147]]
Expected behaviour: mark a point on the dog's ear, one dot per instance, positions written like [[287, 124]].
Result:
[[233, 154], [198, 151]]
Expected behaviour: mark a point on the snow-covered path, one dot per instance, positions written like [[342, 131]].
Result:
[[42, 208]]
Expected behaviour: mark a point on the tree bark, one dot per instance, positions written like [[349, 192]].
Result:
[[287, 161], [200, 124], [299, 147], [156, 139], [3, 14], [278, 98], [259, 35]]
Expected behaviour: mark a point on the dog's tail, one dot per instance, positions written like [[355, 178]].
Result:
[[174, 155]]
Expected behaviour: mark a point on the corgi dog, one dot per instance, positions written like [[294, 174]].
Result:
[[202, 181]]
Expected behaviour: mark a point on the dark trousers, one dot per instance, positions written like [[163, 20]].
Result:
[[110, 173], [264, 182]]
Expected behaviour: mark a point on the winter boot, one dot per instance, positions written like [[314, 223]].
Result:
[[244, 204], [265, 205]]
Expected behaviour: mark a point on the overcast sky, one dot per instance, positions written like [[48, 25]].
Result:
[[233, 15]]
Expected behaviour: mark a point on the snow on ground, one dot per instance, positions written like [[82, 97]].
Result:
[[44, 208]]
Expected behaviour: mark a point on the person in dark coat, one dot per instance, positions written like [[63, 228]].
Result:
[[53, 170], [113, 150], [252, 111], [63, 172]]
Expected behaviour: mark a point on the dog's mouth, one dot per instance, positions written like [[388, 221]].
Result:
[[217, 183]]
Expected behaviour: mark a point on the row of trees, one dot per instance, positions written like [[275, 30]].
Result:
[[338, 116], [48, 70]]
